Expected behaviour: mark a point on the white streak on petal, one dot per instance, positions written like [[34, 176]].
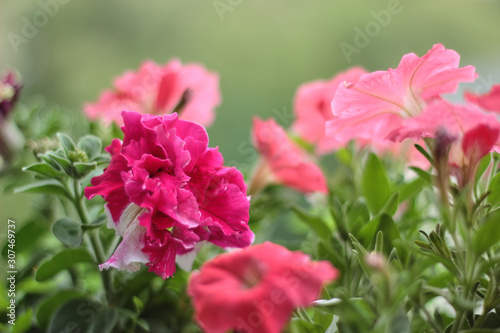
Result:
[[128, 255]]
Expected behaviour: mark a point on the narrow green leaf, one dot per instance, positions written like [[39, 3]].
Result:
[[424, 175], [408, 190], [483, 165], [23, 322], [44, 169], [379, 242], [375, 185], [68, 232], [425, 154], [62, 161], [494, 188], [49, 186], [61, 261]]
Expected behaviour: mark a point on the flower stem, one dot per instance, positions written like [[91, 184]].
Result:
[[93, 238]]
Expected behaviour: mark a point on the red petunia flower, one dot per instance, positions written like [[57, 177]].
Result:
[[166, 191], [255, 290]]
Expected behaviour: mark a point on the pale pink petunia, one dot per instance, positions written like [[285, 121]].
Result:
[[166, 192], [377, 104], [489, 101], [255, 290], [282, 161], [312, 104], [190, 90]]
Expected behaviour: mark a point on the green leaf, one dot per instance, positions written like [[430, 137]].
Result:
[[400, 323], [75, 315], [104, 322], [425, 154], [83, 169], [408, 190], [379, 242], [424, 175], [494, 188], [483, 165], [91, 145], [49, 186], [316, 223], [391, 206], [61, 261], [68, 231], [50, 304], [61, 160], [23, 322], [66, 142], [44, 169], [138, 303], [27, 236], [375, 185], [488, 233]]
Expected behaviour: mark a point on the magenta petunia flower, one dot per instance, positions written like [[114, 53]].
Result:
[[312, 105], [489, 101], [189, 90], [256, 289], [376, 105], [10, 87], [166, 191], [282, 161]]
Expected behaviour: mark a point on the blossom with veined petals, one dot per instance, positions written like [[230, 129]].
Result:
[[255, 290], [166, 191], [312, 105], [282, 161], [377, 104], [489, 101], [190, 90]]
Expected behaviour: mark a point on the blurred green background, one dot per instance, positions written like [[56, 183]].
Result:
[[262, 50]]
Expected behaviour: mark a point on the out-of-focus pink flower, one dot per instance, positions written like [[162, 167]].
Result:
[[256, 289], [190, 90], [489, 101], [377, 104], [312, 104], [282, 161], [10, 87], [166, 191]]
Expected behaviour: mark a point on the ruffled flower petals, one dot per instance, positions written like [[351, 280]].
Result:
[[128, 255]]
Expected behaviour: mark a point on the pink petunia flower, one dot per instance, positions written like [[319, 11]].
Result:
[[378, 103], [474, 134], [166, 191], [189, 90], [256, 289], [489, 101], [312, 105], [282, 161], [10, 88]]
